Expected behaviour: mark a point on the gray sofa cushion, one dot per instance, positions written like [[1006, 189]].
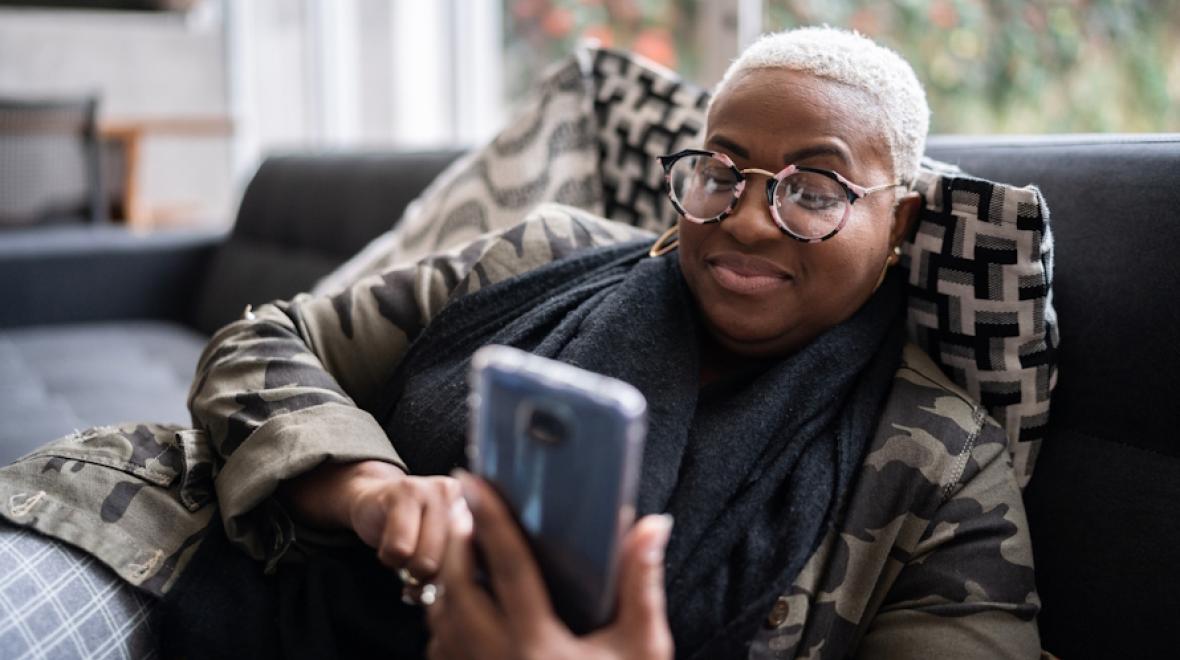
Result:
[[61, 378], [301, 216], [245, 271]]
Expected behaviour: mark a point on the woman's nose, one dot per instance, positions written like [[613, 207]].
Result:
[[751, 221]]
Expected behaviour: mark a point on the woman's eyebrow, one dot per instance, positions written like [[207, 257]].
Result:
[[729, 145], [812, 151]]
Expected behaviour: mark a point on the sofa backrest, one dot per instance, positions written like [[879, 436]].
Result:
[[1104, 501], [301, 216]]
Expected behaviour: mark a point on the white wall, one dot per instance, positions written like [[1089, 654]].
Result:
[[145, 66]]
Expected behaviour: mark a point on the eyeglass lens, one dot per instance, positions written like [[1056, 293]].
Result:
[[811, 205]]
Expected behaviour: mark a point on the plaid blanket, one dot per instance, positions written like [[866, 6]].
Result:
[[58, 602]]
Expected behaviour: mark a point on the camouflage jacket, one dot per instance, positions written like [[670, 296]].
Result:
[[932, 558]]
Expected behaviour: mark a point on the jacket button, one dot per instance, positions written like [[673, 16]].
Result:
[[778, 613]]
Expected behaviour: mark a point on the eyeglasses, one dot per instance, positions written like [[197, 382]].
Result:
[[807, 203]]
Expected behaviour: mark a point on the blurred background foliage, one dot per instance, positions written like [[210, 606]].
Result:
[[989, 66]]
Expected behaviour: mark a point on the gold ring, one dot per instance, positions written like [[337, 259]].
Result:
[[405, 576]]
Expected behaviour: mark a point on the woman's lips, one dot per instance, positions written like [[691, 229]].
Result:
[[747, 275]]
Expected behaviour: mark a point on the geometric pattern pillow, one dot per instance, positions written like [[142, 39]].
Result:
[[546, 153], [981, 298], [980, 264], [588, 137], [641, 111]]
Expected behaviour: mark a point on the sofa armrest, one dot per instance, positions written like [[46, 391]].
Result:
[[90, 273]]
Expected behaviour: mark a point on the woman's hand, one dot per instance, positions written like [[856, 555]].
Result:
[[466, 622], [404, 517]]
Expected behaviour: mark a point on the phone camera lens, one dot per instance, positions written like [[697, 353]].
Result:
[[546, 428]]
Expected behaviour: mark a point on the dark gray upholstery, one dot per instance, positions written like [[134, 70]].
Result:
[[71, 273], [301, 216], [61, 378], [1104, 502]]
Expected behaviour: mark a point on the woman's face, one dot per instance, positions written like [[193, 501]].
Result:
[[762, 293]]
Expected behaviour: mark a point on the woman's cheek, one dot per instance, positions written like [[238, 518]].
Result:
[[689, 253]]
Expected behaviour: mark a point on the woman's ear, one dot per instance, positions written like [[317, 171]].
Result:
[[905, 215]]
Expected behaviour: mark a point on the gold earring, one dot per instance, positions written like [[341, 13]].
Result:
[[893, 258], [668, 241]]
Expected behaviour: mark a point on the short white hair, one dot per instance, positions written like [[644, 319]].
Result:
[[854, 60]]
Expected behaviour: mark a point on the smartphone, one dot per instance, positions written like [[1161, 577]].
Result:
[[562, 446]]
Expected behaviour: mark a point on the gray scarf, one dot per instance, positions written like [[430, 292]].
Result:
[[753, 468]]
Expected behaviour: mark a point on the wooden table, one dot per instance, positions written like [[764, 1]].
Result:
[[130, 132]]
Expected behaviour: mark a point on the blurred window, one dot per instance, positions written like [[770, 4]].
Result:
[[372, 73], [538, 32], [412, 74], [1012, 66], [989, 66]]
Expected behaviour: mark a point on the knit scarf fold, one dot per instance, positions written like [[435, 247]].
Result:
[[754, 468]]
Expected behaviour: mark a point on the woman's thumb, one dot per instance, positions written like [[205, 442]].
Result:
[[641, 585]]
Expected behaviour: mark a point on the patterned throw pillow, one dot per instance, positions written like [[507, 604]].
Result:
[[980, 263], [587, 138], [981, 298]]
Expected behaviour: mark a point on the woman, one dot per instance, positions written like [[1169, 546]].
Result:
[[833, 494], [767, 344]]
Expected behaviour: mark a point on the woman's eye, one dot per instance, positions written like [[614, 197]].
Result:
[[717, 182], [813, 200]]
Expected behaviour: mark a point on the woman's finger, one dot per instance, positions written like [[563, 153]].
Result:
[[463, 613], [403, 520], [432, 532], [515, 578], [642, 620]]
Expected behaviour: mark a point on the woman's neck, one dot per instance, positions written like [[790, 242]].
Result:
[[717, 362]]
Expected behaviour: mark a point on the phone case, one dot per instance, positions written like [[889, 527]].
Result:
[[563, 446]]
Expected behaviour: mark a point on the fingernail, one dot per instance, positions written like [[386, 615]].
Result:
[[461, 521], [654, 554]]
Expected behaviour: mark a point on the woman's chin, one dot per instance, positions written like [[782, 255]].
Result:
[[751, 341]]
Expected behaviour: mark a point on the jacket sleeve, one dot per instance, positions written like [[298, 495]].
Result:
[[289, 386], [967, 589]]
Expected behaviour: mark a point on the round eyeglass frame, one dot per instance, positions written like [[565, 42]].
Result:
[[851, 189]]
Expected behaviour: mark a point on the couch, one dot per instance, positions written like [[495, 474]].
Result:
[[100, 325], [95, 324]]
